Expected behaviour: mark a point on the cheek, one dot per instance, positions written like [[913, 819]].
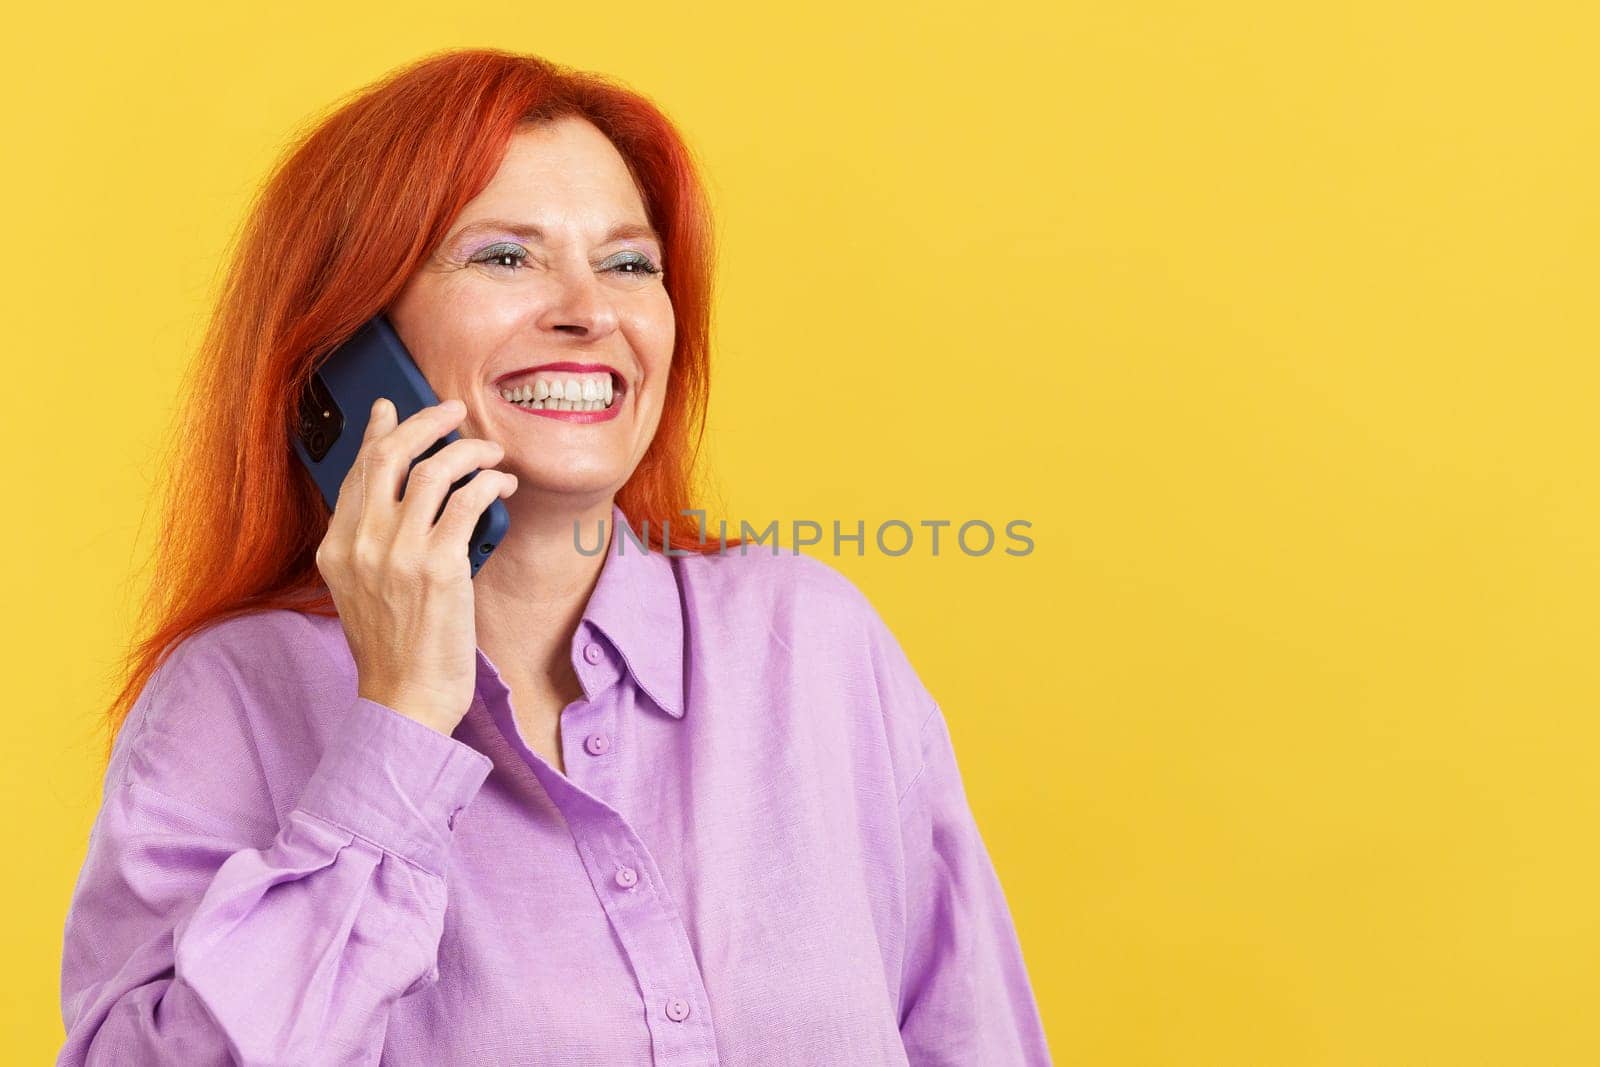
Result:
[[655, 329], [647, 411], [461, 346]]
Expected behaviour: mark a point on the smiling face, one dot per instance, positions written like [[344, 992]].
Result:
[[549, 281]]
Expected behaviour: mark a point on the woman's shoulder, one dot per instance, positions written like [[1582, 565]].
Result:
[[246, 660], [265, 641], [767, 581], [797, 625], [801, 603], [231, 713], [809, 613]]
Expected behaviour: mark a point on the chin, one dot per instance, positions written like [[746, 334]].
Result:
[[586, 484]]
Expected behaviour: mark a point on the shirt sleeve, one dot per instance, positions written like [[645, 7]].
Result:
[[965, 996], [194, 939]]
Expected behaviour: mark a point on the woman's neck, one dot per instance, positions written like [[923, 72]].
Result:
[[530, 594]]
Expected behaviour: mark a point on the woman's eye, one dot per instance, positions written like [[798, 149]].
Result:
[[640, 265], [513, 258], [492, 256]]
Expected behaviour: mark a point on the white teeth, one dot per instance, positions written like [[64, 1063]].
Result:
[[590, 392]]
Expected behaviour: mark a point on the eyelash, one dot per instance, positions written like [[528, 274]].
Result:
[[646, 268]]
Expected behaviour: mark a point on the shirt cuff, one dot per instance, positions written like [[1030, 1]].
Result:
[[396, 782]]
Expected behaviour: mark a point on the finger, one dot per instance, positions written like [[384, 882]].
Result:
[[467, 504], [430, 481], [351, 496], [386, 459]]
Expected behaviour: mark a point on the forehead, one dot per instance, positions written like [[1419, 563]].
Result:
[[567, 164]]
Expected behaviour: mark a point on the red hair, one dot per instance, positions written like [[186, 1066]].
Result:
[[380, 180]]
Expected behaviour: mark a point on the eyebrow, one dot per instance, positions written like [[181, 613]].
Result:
[[530, 232]]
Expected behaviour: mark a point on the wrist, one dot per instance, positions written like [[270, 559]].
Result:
[[424, 712]]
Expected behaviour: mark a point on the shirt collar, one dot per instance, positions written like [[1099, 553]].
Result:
[[635, 603]]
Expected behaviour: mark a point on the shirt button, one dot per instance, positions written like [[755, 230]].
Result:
[[677, 1009], [597, 743], [626, 877], [591, 652]]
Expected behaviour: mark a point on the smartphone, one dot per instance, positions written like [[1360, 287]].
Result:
[[334, 411]]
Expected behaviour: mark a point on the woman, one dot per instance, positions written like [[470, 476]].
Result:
[[675, 806]]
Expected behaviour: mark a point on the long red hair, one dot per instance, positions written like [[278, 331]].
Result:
[[379, 181]]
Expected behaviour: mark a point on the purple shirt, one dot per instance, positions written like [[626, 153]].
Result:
[[761, 852]]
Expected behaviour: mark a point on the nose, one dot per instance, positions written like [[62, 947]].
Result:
[[578, 304]]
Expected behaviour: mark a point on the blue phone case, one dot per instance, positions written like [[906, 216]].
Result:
[[333, 417]]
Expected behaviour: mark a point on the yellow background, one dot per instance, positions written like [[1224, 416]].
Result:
[[1279, 325]]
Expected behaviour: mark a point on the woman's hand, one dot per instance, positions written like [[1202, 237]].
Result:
[[402, 585]]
